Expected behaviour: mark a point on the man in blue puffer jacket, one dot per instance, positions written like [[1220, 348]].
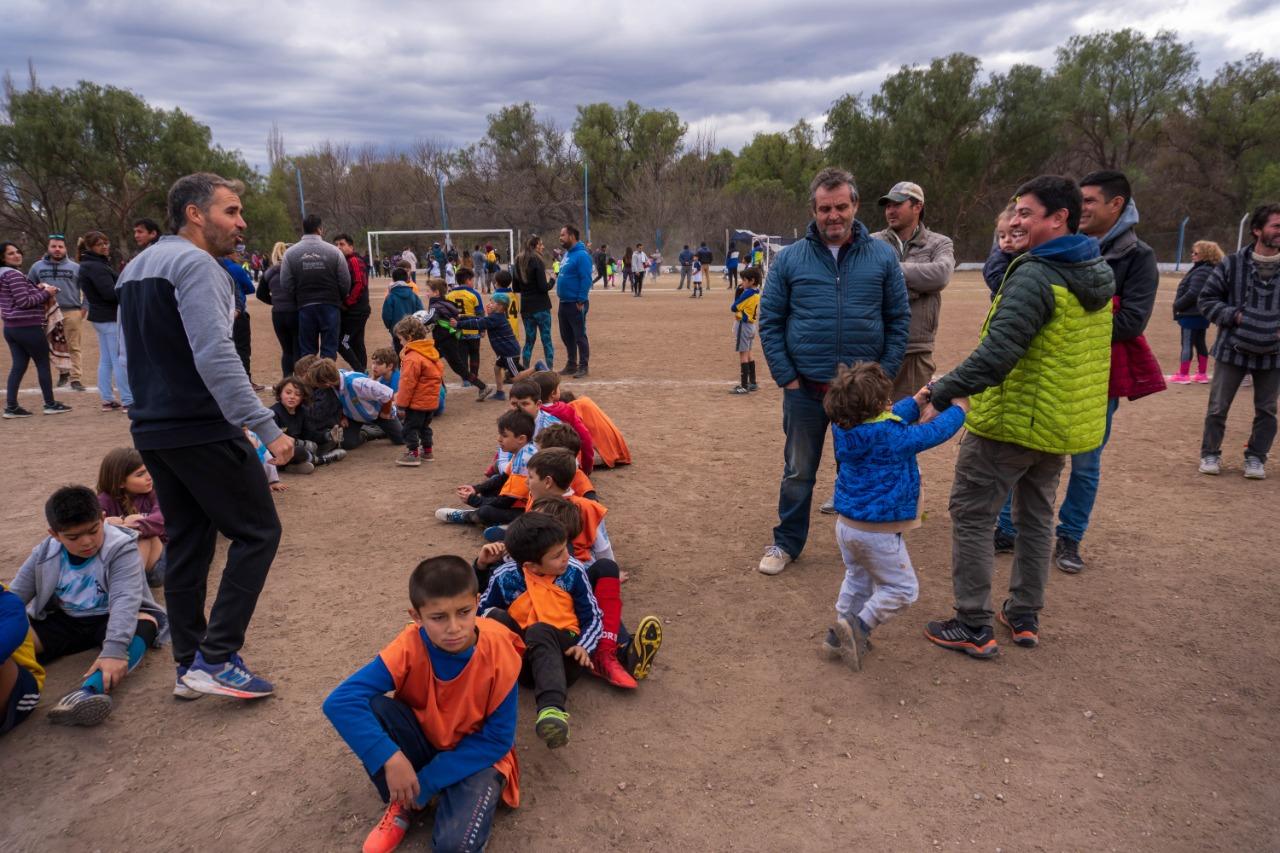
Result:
[[573, 286], [836, 297]]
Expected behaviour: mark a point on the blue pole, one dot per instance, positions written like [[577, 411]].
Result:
[[1182, 230], [586, 204], [444, 214], [302, 202]]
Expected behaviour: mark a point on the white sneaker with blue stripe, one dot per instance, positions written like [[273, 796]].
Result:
[[180, 689], [232, 678]]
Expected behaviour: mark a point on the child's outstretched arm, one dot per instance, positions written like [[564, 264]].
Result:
[[920, 437]]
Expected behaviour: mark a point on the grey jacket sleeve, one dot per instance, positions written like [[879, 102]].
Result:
[[286, 275], [205, 304], [24, 583], [932, 275], [344, 274], [124, 598]]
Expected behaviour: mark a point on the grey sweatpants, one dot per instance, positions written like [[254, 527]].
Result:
[[879, 580], [985, 472]]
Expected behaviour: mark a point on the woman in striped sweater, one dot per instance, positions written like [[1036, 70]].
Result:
[[22, 311]]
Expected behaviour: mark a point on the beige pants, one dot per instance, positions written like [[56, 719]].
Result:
[[916, 372], [72, 320]]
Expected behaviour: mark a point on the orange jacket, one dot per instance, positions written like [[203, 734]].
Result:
[[420, 376]]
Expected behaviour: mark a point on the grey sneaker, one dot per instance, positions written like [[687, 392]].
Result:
[[81, 707], [774, 560], [853, 643], [1211, 464], [830, 648], [1254, 469], [829, 506]]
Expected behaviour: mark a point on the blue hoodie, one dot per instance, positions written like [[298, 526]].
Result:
[[573, 284], [1069, 249]]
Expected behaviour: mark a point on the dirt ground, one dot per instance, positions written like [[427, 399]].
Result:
[[1144, 721]]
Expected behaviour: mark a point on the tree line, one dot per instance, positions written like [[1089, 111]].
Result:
[[1203, 147]]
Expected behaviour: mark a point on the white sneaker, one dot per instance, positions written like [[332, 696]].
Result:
[[1211, 464], [829, 507], [774, 560], [1253, 469]]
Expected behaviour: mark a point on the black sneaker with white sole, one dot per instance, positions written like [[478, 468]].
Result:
[[1025, 627], [1003, 541], [16, 412], [1066, 556], [56, 408]]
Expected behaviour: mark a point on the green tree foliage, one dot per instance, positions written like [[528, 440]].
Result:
[[620, 144], [778, 162]]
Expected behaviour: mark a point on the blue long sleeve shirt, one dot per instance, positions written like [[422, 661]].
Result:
[[347, 708], [501, 338]]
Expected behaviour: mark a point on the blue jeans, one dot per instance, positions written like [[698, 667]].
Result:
[[539, 323], [805, 424], [112, 363], [464, 812], [320, 322], [1082, 490]]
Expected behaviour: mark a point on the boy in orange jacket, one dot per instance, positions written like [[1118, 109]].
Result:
[[419, 393]]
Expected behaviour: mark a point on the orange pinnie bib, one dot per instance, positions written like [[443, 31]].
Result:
[[606, 436], [543, 601], [447, 711], [591, 514]]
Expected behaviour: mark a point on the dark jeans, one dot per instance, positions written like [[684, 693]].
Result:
[[573, 332], [1193, 339], [286, 325], [241, 336], [546, 669], [686, 274], [733, 281], [639, 283], [318, 323], [417, 428], [464, 812], [207, 489], [490, 514], [1222, 391], [352, 437], [805, 425], [985, 472], [351, 341], [27, 344]]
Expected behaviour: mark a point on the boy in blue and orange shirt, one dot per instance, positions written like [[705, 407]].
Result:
[[449, 727]]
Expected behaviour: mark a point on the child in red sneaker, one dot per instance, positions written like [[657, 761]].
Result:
[[448, 730]]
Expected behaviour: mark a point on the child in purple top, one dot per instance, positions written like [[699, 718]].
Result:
[[128, 500]]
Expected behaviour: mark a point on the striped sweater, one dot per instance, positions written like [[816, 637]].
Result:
[[21, 302], [1234, 287]]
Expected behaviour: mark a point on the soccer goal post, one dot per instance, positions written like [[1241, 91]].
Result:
[[375, 239]]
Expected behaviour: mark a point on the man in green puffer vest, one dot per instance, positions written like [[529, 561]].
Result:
[[1038, 388]]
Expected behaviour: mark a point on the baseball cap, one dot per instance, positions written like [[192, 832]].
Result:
[[902, 191]]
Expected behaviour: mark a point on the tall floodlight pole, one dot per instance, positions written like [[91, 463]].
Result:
[[444, 214], [586, 204], [302, 202]]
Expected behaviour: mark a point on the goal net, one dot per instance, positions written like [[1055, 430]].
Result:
[[391, 245]]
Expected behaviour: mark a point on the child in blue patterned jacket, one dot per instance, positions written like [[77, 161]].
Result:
[[877, 498]]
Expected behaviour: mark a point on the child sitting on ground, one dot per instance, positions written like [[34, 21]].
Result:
[[399, 303], [290, 410], [21, 677], [448, 730], [745, 308], [610, 448], [362, 402], [83, 587], [527, 395], [323, 413], [500, 498], [543, 594], [563, 435], [877, 498], [502, 339], [129, 500], [419, 395], [551, 472]]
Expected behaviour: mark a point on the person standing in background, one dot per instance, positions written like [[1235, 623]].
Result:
[[639, 263], [355, 307], [97, 281], [63, 273]]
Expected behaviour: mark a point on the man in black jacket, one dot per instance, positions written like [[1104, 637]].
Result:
[[317, 275], [1108, 214]]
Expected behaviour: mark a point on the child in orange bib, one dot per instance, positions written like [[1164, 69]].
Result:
[[449, 728]]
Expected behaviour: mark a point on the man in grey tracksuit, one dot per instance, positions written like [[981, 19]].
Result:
[[57, 269]]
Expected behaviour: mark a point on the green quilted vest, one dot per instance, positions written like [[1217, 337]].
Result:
[[1055, 398]]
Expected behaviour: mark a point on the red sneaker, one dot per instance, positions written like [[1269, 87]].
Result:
[[426, 455], [389, 832], [608, 668]]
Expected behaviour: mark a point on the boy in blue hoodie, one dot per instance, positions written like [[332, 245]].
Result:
[[401, 301], [877, 498]]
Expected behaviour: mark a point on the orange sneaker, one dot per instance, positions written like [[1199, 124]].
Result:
[[389, 832], [608, 668]]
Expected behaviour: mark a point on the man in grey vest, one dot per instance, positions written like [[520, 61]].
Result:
[[317, 275]]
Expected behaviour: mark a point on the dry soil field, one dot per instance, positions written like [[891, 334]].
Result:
[[1146, 720]]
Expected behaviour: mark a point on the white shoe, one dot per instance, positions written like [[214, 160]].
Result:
[[1253, 469], [829, 507], [1211, 464], [774, 560]]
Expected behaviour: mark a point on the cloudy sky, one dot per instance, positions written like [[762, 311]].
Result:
[[383, 72]]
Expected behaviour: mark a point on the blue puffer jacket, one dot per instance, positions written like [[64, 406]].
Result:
[[573, 284], [816, 315], [878, 478]]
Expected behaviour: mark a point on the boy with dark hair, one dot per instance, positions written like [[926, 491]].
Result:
[[449, 727], [84, 588], [502, 497], [563, 435], [528, 396], [469, 305], [399, 303], [542, 593], [501, 337], [441, 317], [362, 403]]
